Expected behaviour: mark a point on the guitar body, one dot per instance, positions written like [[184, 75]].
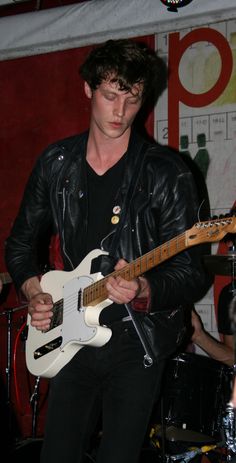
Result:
[[47, 352]]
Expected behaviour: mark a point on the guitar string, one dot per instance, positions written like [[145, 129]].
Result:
[[155, 254]]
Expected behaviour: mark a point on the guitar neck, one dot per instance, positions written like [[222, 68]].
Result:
[[201, 232], [97, 292], [5, 277]]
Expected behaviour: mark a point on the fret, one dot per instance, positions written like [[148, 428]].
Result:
[[201, 232], [97, 292]]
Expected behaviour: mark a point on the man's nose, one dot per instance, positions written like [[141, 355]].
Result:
[[119, 108]]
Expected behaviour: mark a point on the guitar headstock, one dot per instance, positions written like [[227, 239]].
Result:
[[211, 230]]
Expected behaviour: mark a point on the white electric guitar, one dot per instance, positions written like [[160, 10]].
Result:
[[80, 297]]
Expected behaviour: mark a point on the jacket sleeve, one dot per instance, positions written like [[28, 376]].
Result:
[[32, 221], [183, 279]]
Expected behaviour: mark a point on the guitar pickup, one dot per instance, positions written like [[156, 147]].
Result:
[[49, 347]]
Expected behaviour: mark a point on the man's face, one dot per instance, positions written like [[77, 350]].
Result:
[[112, 110]]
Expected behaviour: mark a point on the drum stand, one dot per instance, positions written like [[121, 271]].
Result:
[[229, 419], [229, 428]]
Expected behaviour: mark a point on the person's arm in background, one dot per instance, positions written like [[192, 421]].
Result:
[[223, 351]]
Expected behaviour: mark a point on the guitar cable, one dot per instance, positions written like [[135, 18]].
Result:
[[17, 392]]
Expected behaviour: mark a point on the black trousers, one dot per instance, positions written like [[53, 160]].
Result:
[[112, 379]]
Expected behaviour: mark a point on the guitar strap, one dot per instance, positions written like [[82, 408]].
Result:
[[148, 357], [106, 262]]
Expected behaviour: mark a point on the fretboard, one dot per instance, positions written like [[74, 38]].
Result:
[[97, 292]]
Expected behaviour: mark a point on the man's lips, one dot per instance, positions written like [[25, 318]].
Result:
[[116, 124]]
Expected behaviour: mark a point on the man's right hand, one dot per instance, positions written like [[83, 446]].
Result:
[[40, 304], [40, 310]]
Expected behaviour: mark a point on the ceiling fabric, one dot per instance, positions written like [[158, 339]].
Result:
[[93, 22]]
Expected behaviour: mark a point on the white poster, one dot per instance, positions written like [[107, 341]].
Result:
[[197, 114]]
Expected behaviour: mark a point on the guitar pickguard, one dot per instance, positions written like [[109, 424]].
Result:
[[74, 326]]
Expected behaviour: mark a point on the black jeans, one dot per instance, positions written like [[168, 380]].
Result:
[[112, 379]]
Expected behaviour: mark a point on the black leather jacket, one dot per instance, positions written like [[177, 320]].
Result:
[[164, 205]]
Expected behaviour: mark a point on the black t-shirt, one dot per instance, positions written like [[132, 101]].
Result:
[[102, 193], [225, 298]]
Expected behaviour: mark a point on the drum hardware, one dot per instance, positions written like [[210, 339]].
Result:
[[174, 434], [187, 453], [229, 429], [191, 453], [196, 389], [195, 392]]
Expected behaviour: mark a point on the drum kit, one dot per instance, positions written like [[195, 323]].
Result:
[[194, 405], [195, 414]]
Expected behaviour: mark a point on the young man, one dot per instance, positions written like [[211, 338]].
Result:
[[83, 187]]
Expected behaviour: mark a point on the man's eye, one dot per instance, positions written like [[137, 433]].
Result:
[[109, 96], [133, 101]]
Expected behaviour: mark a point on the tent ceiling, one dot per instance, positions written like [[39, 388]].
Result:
[[14, 7], [93, 21]]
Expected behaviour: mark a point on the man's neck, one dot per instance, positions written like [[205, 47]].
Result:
[[104, 152]]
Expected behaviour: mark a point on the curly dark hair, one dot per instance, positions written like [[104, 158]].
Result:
[[126, 62]]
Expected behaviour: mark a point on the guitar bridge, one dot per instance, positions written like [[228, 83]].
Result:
[[49, 347]]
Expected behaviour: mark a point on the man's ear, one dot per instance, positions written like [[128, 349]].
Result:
[[87, 90]]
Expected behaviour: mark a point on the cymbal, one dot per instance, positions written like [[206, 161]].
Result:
[[173, 434], [221, 264]]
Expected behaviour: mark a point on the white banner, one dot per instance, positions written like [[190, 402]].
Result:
[[98, 20]]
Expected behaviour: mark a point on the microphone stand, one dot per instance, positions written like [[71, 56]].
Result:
[[8, 313], [34, 403], [34, 399]]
